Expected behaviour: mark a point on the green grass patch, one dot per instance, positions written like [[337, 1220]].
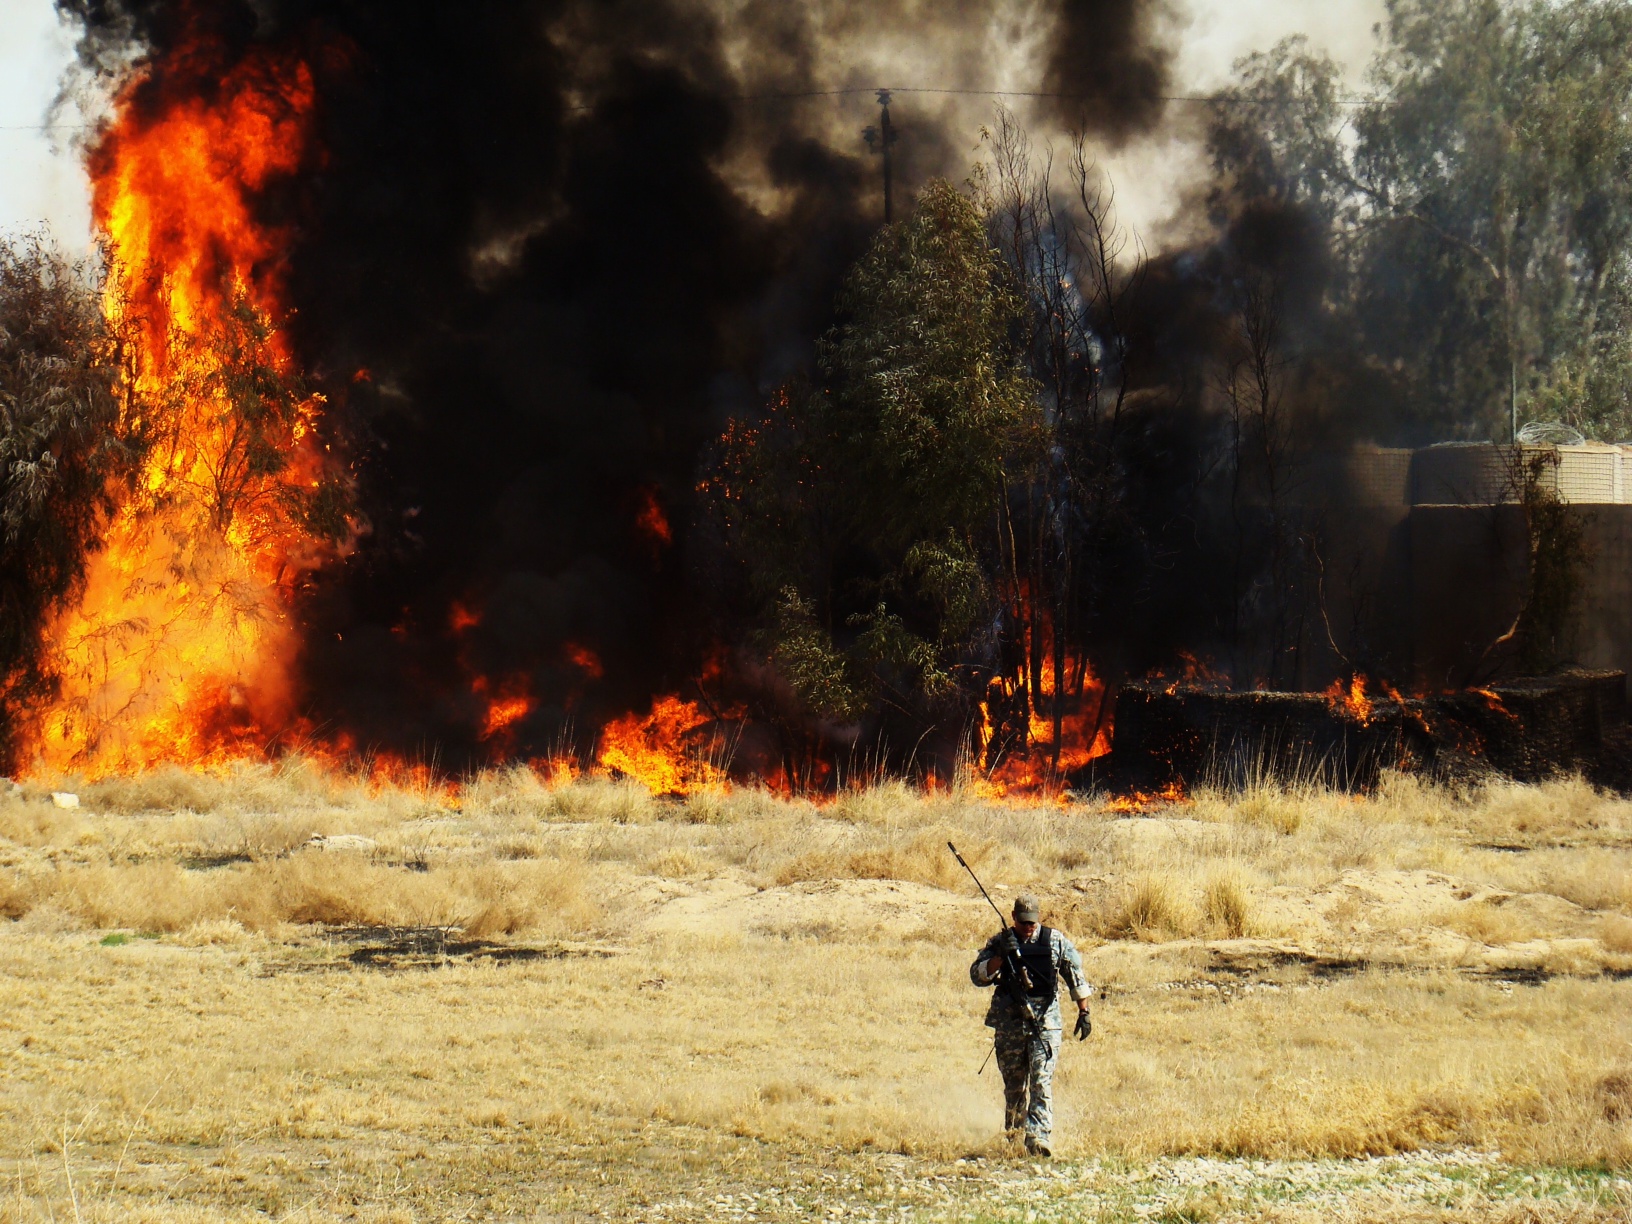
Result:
[[118, 939]]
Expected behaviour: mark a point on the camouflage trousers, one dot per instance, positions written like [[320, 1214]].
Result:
[[1027, 1064]]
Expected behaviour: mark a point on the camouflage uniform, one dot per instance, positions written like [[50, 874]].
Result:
[[1026, 1060]]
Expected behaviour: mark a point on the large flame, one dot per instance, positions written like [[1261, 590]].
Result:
[[672, 749], [1028, 769], [180, 646]]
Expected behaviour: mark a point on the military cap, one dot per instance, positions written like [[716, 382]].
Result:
[[1026, 908]]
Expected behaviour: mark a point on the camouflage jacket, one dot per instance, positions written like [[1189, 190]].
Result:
[[1067, 963]]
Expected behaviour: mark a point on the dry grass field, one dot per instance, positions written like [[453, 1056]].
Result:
[[276, 994]]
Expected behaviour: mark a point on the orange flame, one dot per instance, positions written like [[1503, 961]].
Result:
[[585, 660], [554, 771], [181, 647], [1197, 673], [1495, 704], [504, 713], [651, 520], [1030, 771], [666, 749], [1141, 802], [1352, 701]]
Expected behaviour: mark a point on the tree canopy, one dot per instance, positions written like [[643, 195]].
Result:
[[60, 446], [1480, 203], [861, 506]]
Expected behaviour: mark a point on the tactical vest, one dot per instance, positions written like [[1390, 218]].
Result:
[[1038, 958]]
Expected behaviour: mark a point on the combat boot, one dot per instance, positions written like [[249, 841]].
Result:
[[1038, 1147]]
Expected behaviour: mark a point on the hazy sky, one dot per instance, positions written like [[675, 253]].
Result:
[[40, 177], [41, 181]]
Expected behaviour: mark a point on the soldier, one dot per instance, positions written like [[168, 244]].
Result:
[[1028, 1044]]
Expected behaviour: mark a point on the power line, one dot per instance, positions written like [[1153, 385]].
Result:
[[1345, 100], [795, 95]]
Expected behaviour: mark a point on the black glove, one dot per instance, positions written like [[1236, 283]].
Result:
[[1011, 944], [1084, 1025]]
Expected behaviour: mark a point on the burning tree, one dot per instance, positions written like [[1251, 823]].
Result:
[[933, 532], [1069, 528], [172, 639], [62, 455]]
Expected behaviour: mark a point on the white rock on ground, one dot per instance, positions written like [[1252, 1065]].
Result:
[[342, 841]]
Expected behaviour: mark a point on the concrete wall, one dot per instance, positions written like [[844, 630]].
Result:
[[1468, 573], [1468, 567], [1424, 557], [1604, 629]]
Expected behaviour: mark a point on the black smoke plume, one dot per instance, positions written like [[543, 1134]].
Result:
[[1107, 67], [545, 250]]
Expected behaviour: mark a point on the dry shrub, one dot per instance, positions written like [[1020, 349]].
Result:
[[515, 898], [267, 835], [734, 805], [886, 804], [783, 1092], [512, 849], [1615, 933], [1152, 907], [1488, 923], [16, 895], [213, 932], [150, 896], [513, 792], [1074, 856], [1271, 809], [1614, 1096], [598, 801], [965, 928], [1265, 804], [1592, 879], [1546, 810], [293, 783], [1412, 799], [331, 889], [1226, 905], [675, 863], [38, 824], [168, 789], [50, 919], [325, 888], [919, 856], [1352, 1121]]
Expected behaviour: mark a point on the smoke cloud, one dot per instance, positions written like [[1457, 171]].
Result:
[[1107, 66], [544, 251]]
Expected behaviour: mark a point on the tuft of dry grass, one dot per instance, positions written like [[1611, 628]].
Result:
[[305, 888], [1226, 904], [1616, 934], [1489, 922], [1151, 908]]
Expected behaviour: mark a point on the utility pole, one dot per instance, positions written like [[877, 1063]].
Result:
[[879, 139]]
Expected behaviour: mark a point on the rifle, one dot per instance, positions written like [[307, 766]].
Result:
[[1015, 976]]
